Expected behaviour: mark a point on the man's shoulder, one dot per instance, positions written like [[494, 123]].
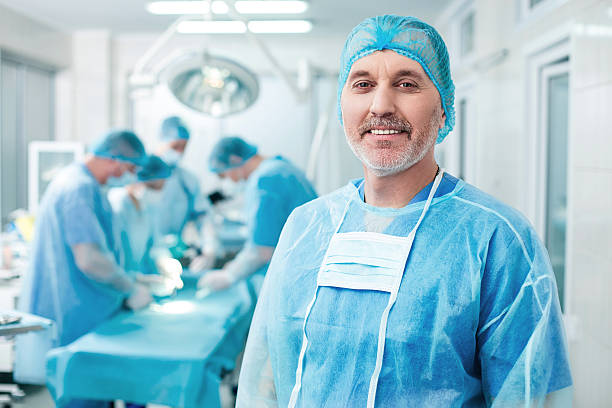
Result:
[[482, 207], [274, 167], [73, 180]]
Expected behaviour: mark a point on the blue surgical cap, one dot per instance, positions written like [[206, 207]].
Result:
[[412, 38], [154, 168], [230, 152], [173, 128], [121, 145]]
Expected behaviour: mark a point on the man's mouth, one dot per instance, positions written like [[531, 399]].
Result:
[[385, 131], [385, 134]]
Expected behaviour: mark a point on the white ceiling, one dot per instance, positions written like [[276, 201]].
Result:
[[130, 16]]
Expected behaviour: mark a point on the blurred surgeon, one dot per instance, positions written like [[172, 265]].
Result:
[[74, 277], [274, 188], [135, 209], [407, 287], [181, 200]]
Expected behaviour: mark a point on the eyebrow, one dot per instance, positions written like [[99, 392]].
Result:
[[358, 74], [398, 74], [409, 73]]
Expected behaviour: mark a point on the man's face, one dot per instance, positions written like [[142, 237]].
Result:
[[235, 174], [179, 145], [391, 112], [117, 167]]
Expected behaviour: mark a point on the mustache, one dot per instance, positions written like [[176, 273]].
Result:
[[392, 122]]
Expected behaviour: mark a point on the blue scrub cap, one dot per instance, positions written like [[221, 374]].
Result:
[[412, 38], [154, 168], [230, 152], [121, 145], [173, 128]]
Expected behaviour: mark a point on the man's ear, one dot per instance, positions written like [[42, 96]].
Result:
[[443, 121]]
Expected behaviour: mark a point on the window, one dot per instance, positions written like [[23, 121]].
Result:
[[26, 114], [547, 155], [555, 108], [461, 110]]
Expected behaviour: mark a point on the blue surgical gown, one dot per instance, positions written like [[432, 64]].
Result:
[[272, 191], [476, 321], [73, 211], [136, 229], [182, 201]]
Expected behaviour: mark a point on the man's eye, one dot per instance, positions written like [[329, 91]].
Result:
[[407, 85], [362, 84]]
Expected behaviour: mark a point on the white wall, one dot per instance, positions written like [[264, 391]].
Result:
[[29, 38], [502, 140], [591, 187], [34, 40]]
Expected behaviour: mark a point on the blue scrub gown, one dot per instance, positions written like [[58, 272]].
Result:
[[271, 193], [73, 211], [181, 202], [136, 229], [476, 321]]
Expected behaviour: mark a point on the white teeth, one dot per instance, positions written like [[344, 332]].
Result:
[[384, 132]]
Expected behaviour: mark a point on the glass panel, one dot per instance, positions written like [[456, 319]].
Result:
[[38, 90], [27, 114], [467, 34], [49, 165], [462, 137], [9, 139], [556, 205]]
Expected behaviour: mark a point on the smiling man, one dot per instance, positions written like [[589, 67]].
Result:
[[408, 287]]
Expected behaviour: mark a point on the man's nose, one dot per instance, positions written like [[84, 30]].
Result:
[[383, 103]]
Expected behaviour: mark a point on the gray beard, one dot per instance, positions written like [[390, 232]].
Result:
[[414, 152]]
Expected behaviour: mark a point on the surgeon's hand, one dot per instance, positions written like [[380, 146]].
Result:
[[216, 280], [201, 262], [139, 298]]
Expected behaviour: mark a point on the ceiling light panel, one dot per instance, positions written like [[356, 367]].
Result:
[[221, 7]]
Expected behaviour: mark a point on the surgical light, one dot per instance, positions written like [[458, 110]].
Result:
[[221, 7], [209, 84]]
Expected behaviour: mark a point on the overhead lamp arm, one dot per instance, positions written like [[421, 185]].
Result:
[[141, 64], [300, 94]]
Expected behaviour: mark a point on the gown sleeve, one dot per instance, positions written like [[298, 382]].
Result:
[[521, 341]]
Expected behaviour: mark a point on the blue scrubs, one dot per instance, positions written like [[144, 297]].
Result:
[[73, 211], [136, 229], [272, 192], [182, 201], [476, 321]]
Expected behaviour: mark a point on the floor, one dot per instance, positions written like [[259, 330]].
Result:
[[39, 397]]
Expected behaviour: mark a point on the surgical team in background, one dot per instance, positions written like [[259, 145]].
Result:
[[107, 224]]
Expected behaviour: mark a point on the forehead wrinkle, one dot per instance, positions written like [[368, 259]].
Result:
[[389, 67]]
